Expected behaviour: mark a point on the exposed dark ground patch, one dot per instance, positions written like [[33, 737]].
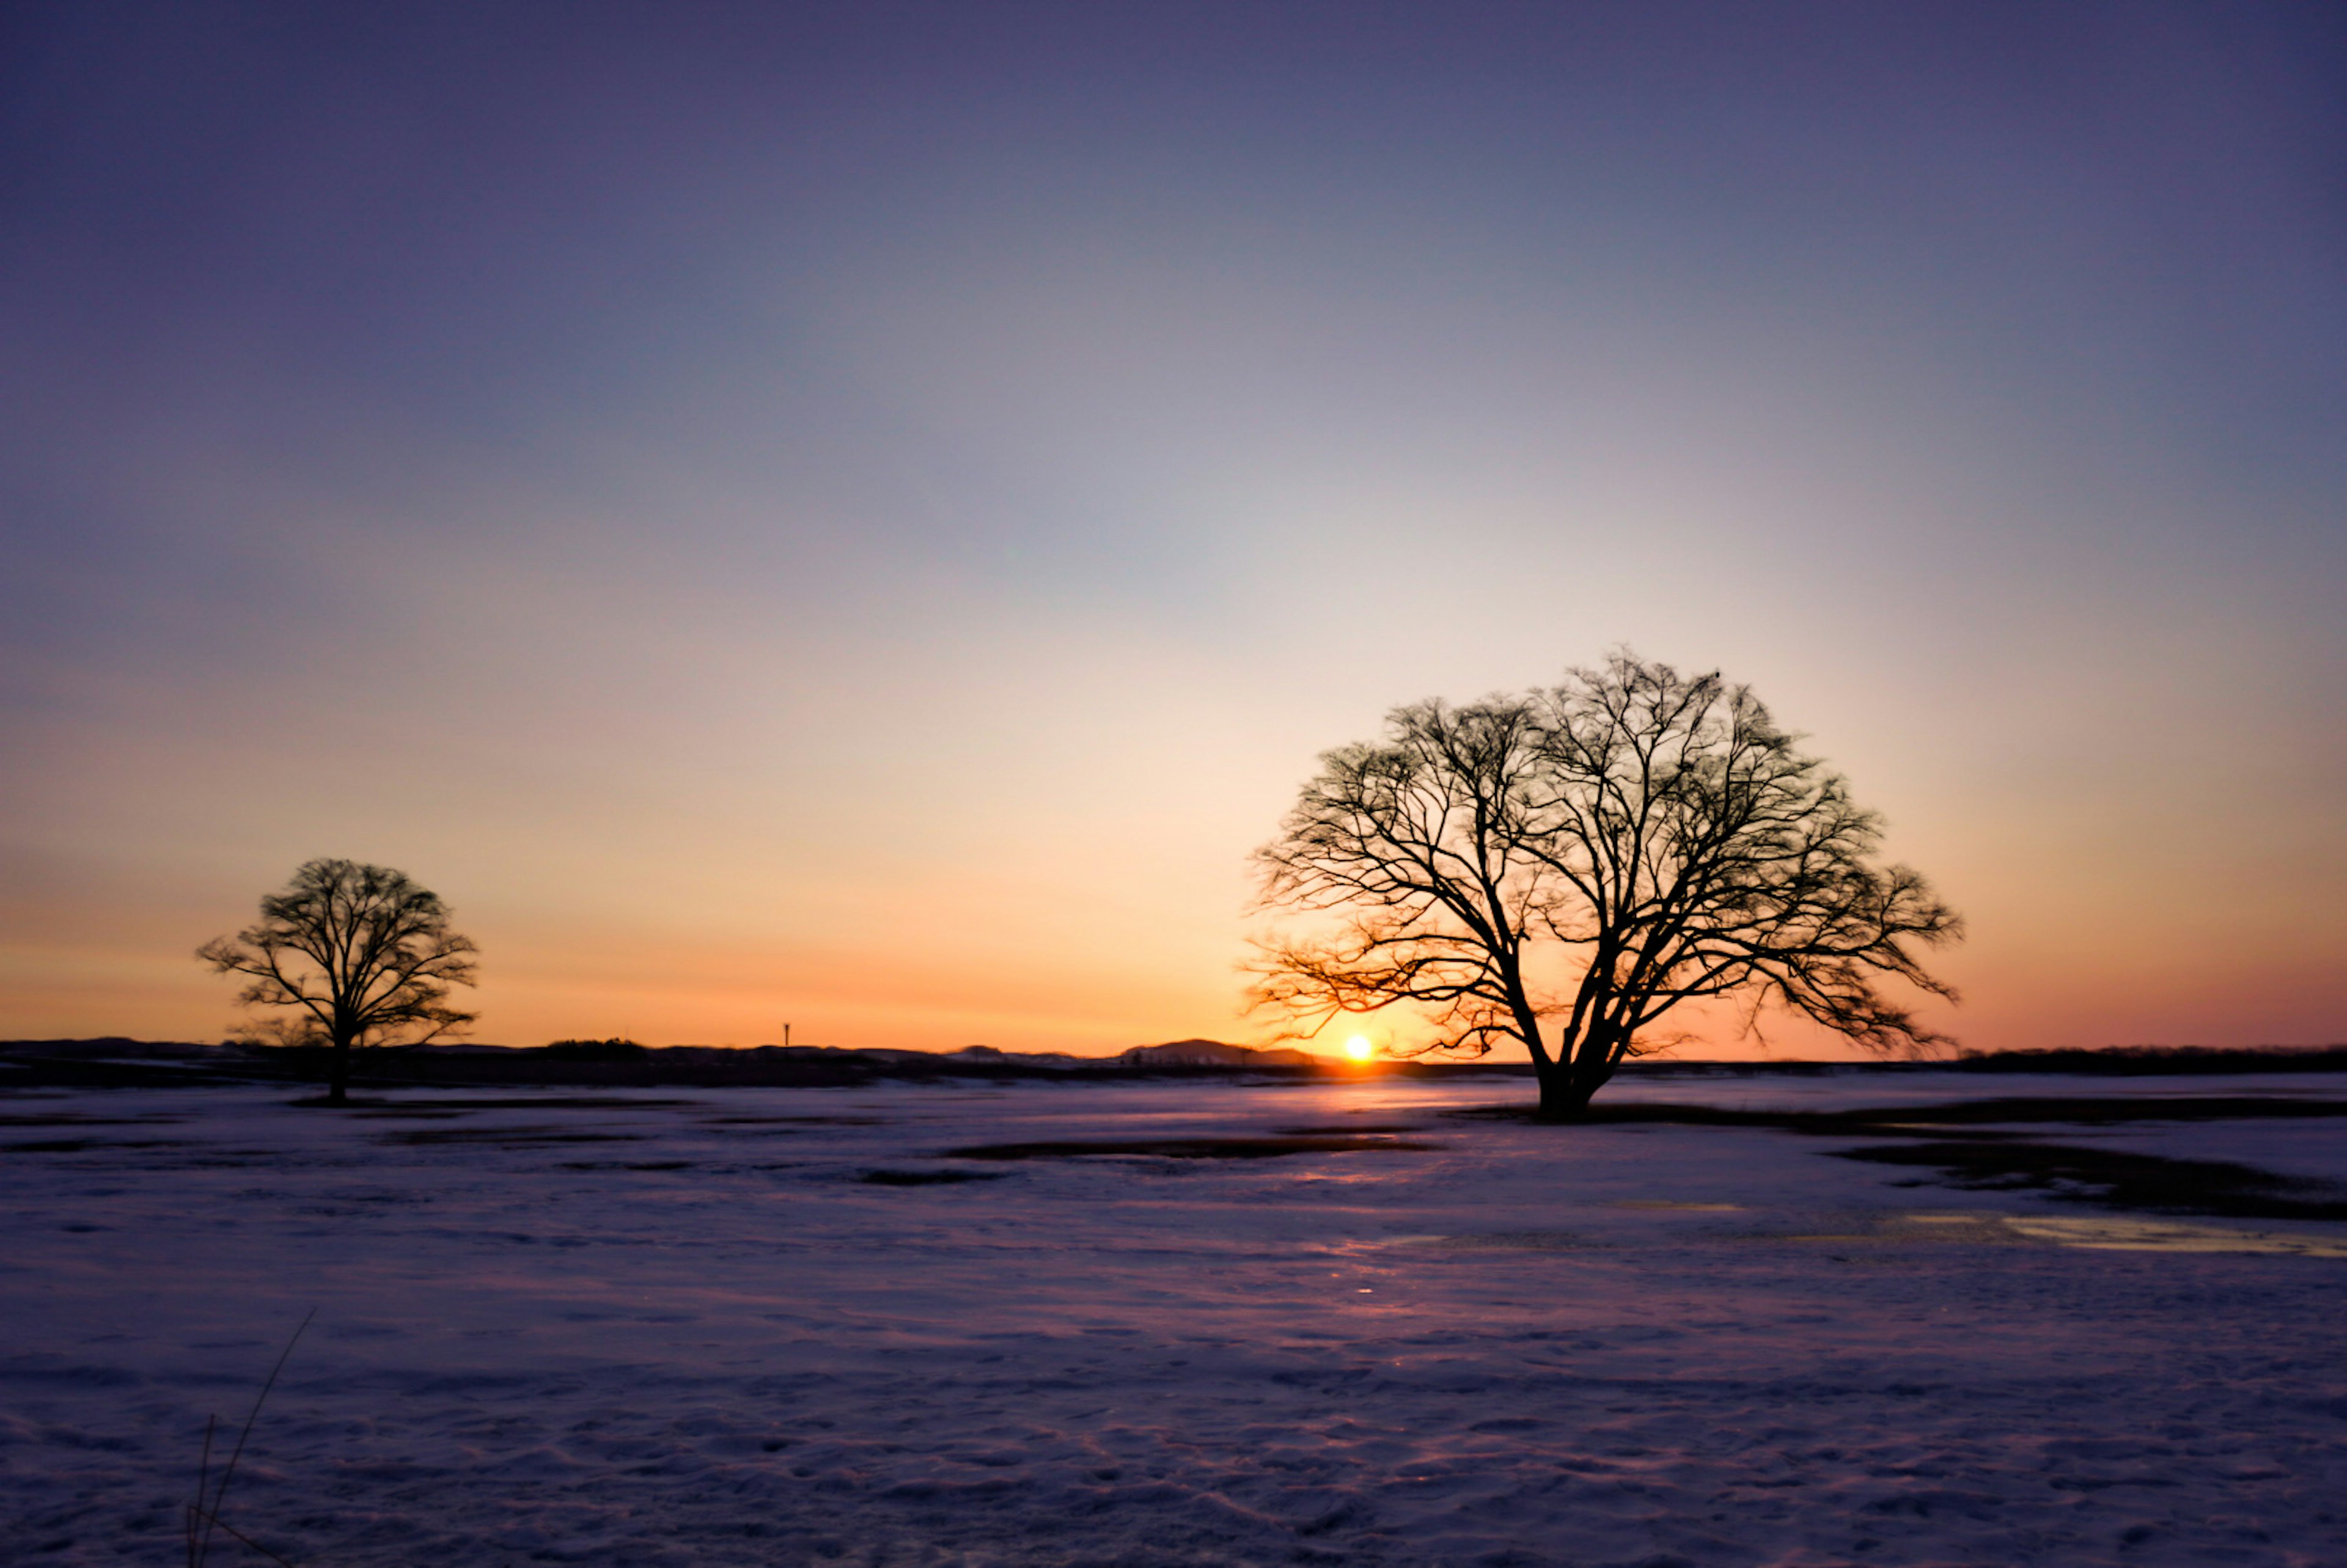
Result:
[[2097, 1111], [793, 1120], [927, 1178], [509, 1136], [1347, 1131], [446, 1104], [74, 1118], [1263, 1148], [2116, 1179], [2082, 1110], [1995, 1159]]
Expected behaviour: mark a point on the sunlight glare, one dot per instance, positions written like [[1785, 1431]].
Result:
[[1358, 1048]]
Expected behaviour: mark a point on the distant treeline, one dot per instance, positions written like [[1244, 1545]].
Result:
[[620, 1062], [612, 1049], [2140, 1059]]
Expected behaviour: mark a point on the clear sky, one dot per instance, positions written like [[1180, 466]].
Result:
[[864, 515]]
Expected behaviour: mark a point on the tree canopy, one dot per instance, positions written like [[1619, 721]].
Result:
[[361, 956], [1653, 838]]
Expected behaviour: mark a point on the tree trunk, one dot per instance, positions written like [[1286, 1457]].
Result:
[[1565, 1092], [1576, 1073], [338, 1070]]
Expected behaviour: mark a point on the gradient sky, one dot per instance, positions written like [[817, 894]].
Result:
[[864, 515]]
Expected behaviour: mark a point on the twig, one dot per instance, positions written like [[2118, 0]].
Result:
[[210, 1515], [203, 1481], [248, 1541]]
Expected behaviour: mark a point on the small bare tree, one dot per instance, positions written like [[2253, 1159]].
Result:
[[1656, 830], [363, 954]]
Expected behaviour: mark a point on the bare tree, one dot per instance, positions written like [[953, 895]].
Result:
[[1592, 856], [363, 954]]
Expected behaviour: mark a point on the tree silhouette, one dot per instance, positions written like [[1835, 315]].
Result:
[[1657, 830], [363, 954]]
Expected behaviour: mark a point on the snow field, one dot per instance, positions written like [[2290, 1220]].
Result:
[[686, 1329]]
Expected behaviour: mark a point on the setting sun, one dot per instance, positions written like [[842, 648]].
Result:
[[1358, 1048]]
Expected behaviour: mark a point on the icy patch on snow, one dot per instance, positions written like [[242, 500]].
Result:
[[2168, 1235]]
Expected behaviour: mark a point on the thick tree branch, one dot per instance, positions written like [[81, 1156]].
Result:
[[1660, 827]]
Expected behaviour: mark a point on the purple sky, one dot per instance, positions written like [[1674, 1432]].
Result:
[[863, 515]]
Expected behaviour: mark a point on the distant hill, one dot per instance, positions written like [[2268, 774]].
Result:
[[1213, 1053]]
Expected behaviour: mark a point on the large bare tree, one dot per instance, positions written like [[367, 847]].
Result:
[[1561, 867], [361, 953]]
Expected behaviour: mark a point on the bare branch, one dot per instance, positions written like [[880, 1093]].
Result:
[[363, 954], [1660, 827]]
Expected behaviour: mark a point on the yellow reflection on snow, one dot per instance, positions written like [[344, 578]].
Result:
[[2168, 1235]]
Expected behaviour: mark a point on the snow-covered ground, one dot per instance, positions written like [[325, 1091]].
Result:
[[684, 1329]]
